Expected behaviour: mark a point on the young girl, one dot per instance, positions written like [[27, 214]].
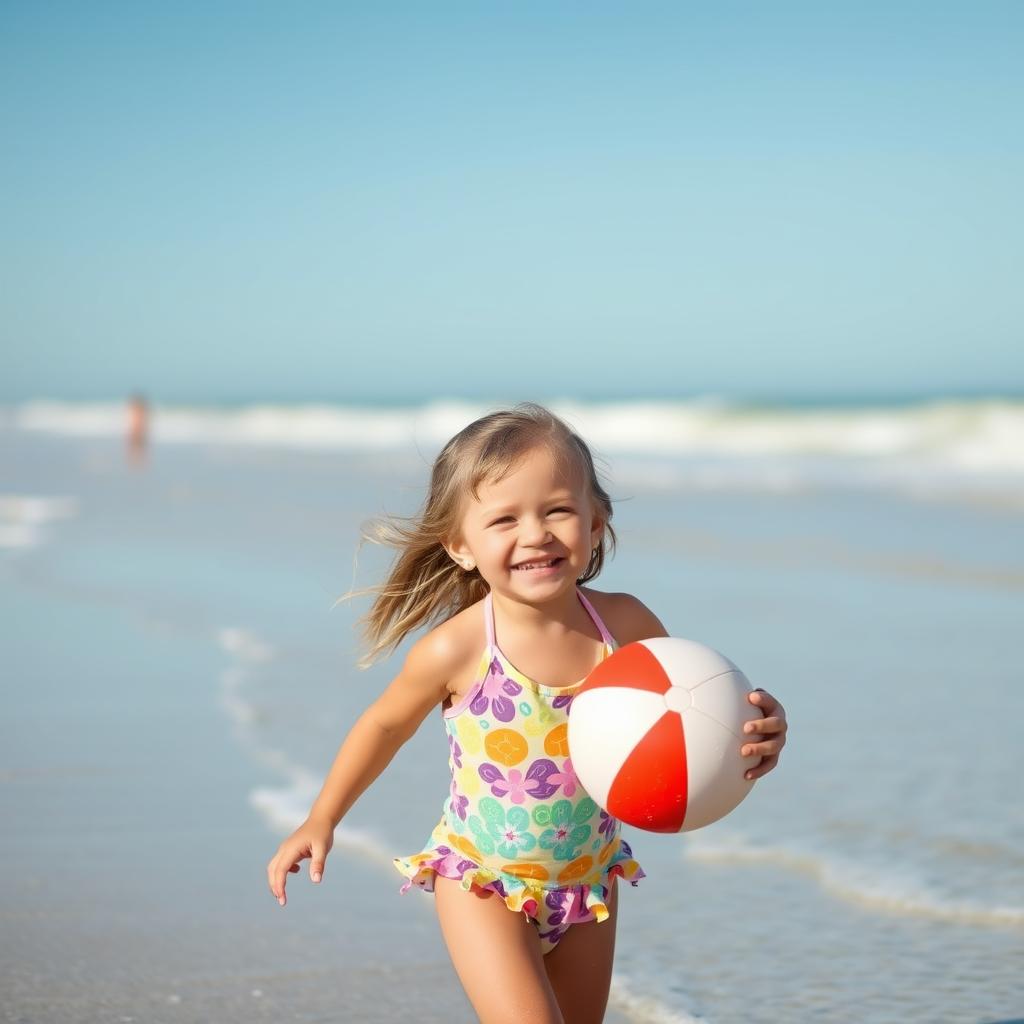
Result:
[[522, 861]]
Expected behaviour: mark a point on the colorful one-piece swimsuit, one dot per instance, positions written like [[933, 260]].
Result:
[[516, 820]]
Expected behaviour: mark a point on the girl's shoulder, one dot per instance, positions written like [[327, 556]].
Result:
[[627, 617], [457, 644]]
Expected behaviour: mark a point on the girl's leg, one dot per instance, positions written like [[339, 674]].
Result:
[[496, 954], [580, 966]]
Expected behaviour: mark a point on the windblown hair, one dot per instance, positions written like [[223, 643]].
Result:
[[424, 584]]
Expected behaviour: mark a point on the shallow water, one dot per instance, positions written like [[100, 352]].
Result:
[[176, 683]]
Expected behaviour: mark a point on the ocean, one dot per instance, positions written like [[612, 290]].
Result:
[[178, 674]]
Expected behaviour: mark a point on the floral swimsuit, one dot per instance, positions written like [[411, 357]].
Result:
[[516, 820]]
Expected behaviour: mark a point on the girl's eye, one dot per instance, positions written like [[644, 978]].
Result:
[[509, 519]]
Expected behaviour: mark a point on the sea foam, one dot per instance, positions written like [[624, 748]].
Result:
[[980, 433], [969, 449], [896, 889], [25, 518]]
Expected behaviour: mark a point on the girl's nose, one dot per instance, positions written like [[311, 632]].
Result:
[[534, 531]]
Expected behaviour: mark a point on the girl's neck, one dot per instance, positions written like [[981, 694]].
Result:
[[563, 614]]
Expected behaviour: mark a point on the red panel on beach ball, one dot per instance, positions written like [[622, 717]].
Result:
[[634, 666], [650, 788]]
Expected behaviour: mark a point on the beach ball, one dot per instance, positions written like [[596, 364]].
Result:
[[655, 734]]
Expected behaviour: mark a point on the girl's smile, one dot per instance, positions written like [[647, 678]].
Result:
[[539, 567]]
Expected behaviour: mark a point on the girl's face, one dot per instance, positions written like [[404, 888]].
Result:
[[538, 515]]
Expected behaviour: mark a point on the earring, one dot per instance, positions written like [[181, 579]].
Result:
[[468, 565]]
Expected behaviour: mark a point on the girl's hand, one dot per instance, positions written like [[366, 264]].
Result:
[[766, 738], [313, 839]]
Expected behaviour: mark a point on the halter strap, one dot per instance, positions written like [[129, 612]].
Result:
[[605, 635], [489, 619]]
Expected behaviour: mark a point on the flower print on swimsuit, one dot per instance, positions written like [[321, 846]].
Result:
[[566, 908], [607, 826], [455, 751], [468, 782], [459, 803], [453, 864], [539, 722], [508, 832], [537, 782], [470, 735], [566, 778], [553, 935], [494, 692], [568, 829], [515, 787]]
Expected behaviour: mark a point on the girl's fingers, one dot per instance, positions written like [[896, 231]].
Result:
[[765, 766], [757, 734], [765, 748], [316, 862], [766, 725], [276, 880], [278, 870], [766, 704], [282, 875]]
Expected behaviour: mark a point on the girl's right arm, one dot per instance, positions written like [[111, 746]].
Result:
[[366, 751]]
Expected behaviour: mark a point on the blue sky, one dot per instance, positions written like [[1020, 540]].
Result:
[[307, 201]]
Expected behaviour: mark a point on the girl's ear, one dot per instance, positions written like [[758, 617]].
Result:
[[460, 554], [596, 529]]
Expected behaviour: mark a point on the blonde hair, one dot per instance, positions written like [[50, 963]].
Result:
[[424, 584]]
